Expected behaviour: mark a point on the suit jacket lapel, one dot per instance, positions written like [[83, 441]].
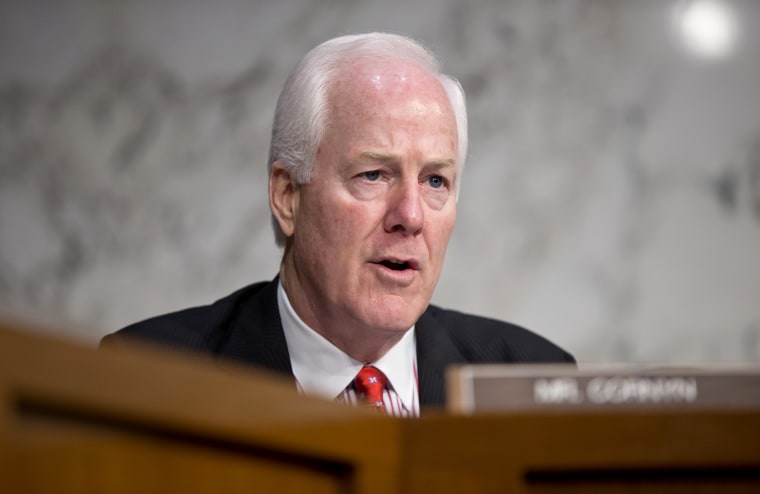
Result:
[[435, 352], [257, 336]]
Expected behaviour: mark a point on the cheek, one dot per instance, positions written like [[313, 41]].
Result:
[[441, 234], [437, 244], [340, 224]]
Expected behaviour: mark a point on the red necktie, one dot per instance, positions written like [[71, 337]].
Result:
[[370, 383]]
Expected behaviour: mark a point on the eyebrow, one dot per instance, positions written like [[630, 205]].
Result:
[[384, 158]]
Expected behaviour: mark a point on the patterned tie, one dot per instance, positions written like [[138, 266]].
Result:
[[370, 383]]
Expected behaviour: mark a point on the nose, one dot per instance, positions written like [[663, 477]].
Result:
[[405, 212]]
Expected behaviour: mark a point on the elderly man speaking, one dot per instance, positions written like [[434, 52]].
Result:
[[368, 146]]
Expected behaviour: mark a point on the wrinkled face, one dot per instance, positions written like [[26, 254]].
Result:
[[371, 228]]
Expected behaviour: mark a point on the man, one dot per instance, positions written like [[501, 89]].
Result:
[[368, 146]]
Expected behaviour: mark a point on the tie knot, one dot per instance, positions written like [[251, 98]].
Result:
[[370, 383]]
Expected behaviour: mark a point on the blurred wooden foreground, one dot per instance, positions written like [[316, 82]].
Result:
[[139, 419]]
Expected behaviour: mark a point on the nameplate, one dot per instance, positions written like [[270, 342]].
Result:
[[479, 388]]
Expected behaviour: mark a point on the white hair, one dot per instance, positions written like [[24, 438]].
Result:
[[301, 114]]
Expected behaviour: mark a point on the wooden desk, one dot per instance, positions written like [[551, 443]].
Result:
[[138, 419], [78, 420], [625, 452]]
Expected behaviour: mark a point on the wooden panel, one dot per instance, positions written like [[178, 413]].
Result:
[[63, 456], [679, 481], [591, 452], [140, 419]]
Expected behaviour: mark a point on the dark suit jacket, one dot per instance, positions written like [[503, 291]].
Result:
[[246, 326]]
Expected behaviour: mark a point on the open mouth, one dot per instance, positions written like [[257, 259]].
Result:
[[395, 265]]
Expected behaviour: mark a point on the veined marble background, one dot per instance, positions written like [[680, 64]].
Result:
[[611, 200]]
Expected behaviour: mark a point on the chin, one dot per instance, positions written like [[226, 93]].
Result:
[[392, 317]]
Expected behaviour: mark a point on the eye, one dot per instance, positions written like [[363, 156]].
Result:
[[437, 181], [371, 176]]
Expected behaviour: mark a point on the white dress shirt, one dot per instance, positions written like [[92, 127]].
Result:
[[322, 369]]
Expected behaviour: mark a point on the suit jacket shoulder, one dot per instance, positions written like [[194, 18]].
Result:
[[481, 339], [244, 325]]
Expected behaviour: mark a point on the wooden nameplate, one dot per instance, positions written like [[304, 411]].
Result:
[[504, 387]]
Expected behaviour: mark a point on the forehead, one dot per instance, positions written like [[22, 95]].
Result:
[[366, 79], [391, 98]]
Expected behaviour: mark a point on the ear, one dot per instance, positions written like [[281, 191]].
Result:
[[283, 197]]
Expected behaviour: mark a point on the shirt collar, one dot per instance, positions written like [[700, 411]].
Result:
[[321, 368]]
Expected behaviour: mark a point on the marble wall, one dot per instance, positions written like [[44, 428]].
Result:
[[611, 200]]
